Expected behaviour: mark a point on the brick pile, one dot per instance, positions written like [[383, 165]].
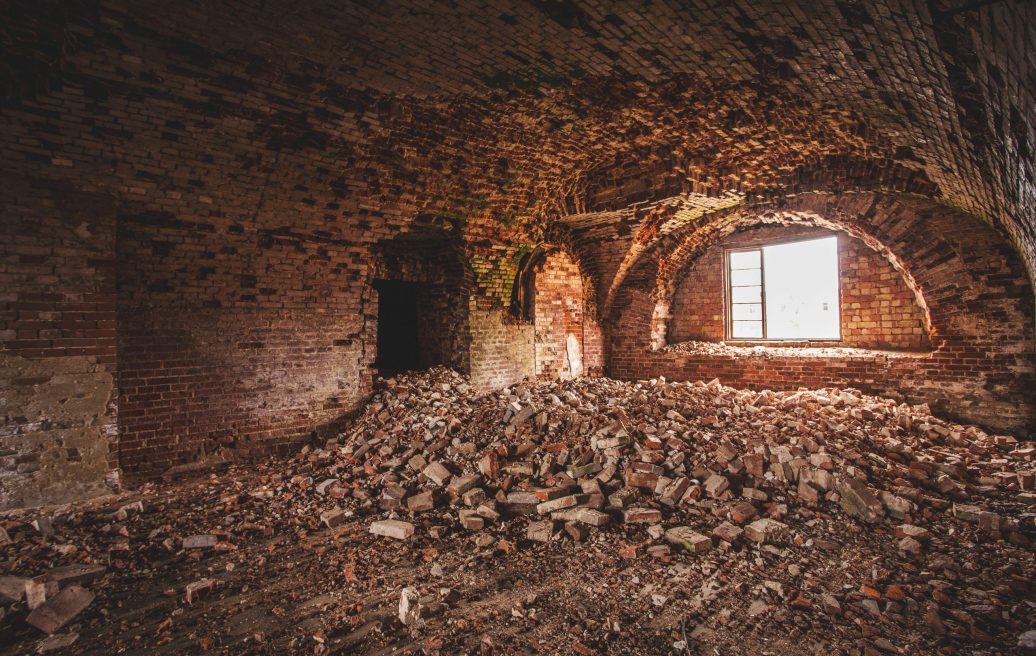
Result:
[[433, 520]]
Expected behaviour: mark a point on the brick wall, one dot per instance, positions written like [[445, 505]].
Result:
[[502, 349], [231, 336], [558, 308], [249, 170], [57, 343], [878, 309]]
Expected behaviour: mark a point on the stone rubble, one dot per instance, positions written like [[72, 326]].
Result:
[[759, 496]]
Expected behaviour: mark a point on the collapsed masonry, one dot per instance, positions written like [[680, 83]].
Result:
[[447, 520]]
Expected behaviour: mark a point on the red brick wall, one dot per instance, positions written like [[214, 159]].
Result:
[[232, 336], [558, 308], [878, 309], [502, 349]]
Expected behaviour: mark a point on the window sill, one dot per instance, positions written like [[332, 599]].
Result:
[[779, 343], [788, 350]]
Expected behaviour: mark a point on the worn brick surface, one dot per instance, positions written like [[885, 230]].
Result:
[[57, 343], [240, 163]]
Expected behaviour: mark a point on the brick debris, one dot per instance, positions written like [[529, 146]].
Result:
[[590, 515]]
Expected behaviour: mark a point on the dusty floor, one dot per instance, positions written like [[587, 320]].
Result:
[[835, 579]]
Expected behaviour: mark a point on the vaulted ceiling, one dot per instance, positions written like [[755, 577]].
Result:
[[513, 114]]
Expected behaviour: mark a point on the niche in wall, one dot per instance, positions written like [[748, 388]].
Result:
[[420, 287], [548, 292]]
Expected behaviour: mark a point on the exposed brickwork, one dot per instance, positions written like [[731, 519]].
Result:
[[558, 315], [57, 343], [502, 349], [231, 336], [878, 309], [251, 168]]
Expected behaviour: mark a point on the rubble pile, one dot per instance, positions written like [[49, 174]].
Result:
[[585, 516]]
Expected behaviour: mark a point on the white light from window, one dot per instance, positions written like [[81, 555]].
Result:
[[795, 285], [802, 289]]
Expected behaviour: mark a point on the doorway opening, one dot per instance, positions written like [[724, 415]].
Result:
[[420, 284], [399, 347]]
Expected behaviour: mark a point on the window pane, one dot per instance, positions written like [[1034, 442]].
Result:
[[802, 290], [743, 277], [746, 294], [746, 329], [744, 259], [747, 312]]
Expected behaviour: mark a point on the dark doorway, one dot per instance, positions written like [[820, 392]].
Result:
[[398, 344]]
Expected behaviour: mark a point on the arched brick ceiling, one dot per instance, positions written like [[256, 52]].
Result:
[[517, 113]]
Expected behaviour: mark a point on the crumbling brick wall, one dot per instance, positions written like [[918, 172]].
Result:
[[57, 343], [878, 309], [252, 166]]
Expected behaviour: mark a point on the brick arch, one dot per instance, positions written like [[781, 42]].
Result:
[[673, 265], [558, 249], [557, 237], [971, 279], [829, 172], [695, 202]]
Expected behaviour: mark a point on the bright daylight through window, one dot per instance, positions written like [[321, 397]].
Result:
[[784, 291]]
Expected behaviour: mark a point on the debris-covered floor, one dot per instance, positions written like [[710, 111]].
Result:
[[585, 517]]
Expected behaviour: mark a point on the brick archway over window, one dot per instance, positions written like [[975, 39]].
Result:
[[967, 277]]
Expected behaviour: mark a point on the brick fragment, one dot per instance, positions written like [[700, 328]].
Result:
[[716, 485], [540, 531], [55, 613], [421, 502], [333, 517], [204, 541], [437, 473], [728, 532], [195, 591], [689, 539], [392, 528], [766, 531], [857, 500], [587, 516], [641, 515]]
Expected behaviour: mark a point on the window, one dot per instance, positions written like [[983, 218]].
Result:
[[784, 291]]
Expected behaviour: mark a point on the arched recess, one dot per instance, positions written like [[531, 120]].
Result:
[[878, 306], [420, 284], [969, 279], [663, 200], [674, 262], [554, 293]]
